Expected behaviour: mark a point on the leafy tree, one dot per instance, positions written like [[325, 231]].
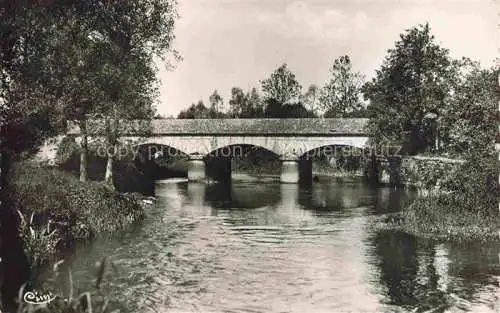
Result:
[[282, 86], [139, 32], [216, 104], [195, 111], [414, 80], [247, 105], [275, 109], [469, 123], [82, 58], [254, 107], [310, 99], [237, 102], [342, 94]]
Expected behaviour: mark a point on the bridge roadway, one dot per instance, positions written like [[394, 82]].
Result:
[[288, 138]]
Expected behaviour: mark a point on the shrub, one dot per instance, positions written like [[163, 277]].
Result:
[[89, 301], [475, 183], [469, 208], [39, 241], [74, 210], [428, 172]]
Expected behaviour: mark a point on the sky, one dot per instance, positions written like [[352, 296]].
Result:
[[226, 43]]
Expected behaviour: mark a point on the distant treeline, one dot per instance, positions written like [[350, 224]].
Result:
[[282, 97]]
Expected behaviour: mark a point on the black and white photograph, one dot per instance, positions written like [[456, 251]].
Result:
[[249, 156]]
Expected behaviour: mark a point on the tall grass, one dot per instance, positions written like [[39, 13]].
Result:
[[56, 209], [86, 302], [467, 209]]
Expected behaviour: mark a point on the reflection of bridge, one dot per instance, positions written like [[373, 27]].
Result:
[[290, 139]]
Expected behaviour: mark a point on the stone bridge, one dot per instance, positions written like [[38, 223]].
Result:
[[290, 139]]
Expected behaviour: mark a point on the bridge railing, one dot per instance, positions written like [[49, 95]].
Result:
[[271, 126]]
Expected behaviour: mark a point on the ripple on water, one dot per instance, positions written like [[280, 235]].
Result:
[[194, 256]]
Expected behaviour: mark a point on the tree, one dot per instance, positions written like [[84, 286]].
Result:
[[469, 122], [310, 99], [254, 107], [237, 102], [84, 58], [294, 110], [195, 111], [342, 94], [216, 104], [137, 33], [245, 105], [413, 81], [281, 86]]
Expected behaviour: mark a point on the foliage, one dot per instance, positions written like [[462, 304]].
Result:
[[247, 105], [445, 216], [241, 105], [468, 206], [342, 94], [254, 107], [310, 99], [86, 302], [414, 80], [238, 102], [39, 241], [426, 173], [275, 109], [75, 210], [470, 123], [282, 86], [65, 149], [216, 104], [69, 59], [475, 184], [198, 110]]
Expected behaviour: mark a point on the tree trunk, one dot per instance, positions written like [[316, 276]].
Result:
[[83, 151], [14, 266], [108, 177]]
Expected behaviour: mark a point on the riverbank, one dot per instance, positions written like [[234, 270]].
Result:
[[458, 202], [443, 217], [54, 210]]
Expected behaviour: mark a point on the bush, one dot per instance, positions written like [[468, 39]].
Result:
[[428, 172], [446, 216], [475, 183], [89, 301], [468, 208], [75, 210]]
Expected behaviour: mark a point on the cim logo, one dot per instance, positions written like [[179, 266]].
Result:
[[36, 298]]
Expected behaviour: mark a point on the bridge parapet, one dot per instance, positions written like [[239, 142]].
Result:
[[240, 127]]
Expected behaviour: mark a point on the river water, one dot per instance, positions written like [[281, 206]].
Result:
[[270, 247]]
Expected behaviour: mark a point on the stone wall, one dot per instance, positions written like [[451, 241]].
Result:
[[424, 173]]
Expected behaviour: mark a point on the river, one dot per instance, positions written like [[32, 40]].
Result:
[[270, 247]]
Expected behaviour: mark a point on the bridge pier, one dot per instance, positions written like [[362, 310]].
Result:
[[290, 173], [196, 168]]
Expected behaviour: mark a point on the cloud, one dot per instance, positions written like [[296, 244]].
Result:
[[455, 30], [303, 20]]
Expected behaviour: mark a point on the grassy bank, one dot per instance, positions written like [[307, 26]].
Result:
[[467, 207], [443, 217], [55, 209]]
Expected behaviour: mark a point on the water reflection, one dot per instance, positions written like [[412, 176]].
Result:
[[269, 247], [389, 199], [427, 275]]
